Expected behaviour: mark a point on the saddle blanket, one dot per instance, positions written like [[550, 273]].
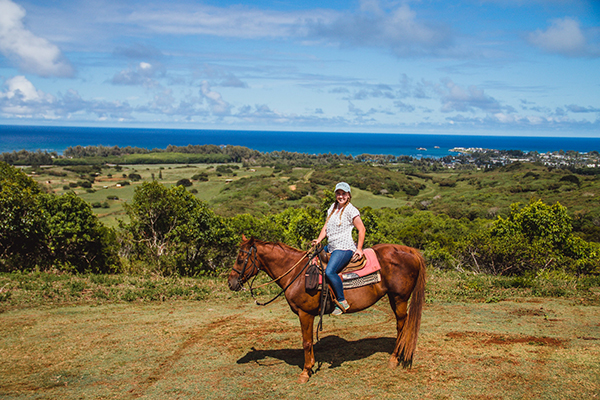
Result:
[[372, 265], [365, 276]]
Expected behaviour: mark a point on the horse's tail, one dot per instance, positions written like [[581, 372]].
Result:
[[410, 330]]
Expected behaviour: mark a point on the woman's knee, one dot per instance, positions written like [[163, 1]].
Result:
[[330, 273]]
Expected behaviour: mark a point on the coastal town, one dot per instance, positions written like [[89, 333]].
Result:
[[489, 158]]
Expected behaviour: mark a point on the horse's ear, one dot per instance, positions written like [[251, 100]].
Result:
[[244, 237]]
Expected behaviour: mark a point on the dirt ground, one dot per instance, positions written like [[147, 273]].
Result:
[[236, 350]]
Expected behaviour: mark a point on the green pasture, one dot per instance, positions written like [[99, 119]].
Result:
[[105, 188], [364, 198], [262, 190]]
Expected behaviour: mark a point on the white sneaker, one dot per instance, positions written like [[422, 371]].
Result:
[[338, 310]]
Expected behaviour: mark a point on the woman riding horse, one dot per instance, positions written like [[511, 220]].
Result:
[[402, 278], [342, 218]]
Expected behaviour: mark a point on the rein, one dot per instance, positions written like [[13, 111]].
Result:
[[254, 251], [288, 271]]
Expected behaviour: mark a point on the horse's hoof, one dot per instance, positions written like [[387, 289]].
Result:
[[393, 363], [303, 378]]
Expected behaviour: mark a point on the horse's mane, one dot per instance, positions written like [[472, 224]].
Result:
[[281, 245]]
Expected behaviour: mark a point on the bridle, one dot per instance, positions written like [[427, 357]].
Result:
[[254, 251]]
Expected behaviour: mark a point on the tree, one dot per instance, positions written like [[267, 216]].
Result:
[[300, 225], [184, 182], [536, 222], [533, 237], [265, 228], [22, 224], [175, 231], [76, 240], [40, 230]]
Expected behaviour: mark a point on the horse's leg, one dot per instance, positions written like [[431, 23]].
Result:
[[399, 307], [307, 323]]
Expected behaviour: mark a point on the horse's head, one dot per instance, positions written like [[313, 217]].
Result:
[[246, 265]]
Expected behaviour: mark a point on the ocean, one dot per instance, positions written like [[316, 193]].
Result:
[[52, 138]]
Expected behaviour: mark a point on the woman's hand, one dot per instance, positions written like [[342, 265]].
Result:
[[360, 227], [358, 254]]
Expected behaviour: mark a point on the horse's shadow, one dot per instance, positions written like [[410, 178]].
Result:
[[332, 350]]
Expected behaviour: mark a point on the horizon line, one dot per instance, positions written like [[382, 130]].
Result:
[[492, 134]]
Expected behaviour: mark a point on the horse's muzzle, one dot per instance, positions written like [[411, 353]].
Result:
[[234, 282]]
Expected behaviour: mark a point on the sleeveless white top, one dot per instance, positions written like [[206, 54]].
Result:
[[339, 231]]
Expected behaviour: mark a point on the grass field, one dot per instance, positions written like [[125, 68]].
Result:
[[106, 187], [460, 193], [363, 198], [478, 340]]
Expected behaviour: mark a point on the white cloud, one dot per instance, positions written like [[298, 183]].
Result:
[[456, 98], [579, 109], [260, 111], [20, 88], [31, 53], [236, 21], [220, 76], [165, 104], [20, 99], [565, 37], [403, 107], [397, 28], [373, 24], [218, 106], [142, 74], [368, 91]]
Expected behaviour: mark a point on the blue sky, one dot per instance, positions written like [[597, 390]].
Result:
[[501, 67]]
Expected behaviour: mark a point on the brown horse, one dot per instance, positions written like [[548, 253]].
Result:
[[402, 274]]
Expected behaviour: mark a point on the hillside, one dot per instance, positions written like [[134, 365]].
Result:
[[232, 189]]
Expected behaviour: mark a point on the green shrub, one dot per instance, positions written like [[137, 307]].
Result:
[[570, 178], [202, 177], [175, 232], [22, 224], [534, 238], [184, 182], [42, 231]]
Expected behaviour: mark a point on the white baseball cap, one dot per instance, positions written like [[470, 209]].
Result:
[[344, 186]]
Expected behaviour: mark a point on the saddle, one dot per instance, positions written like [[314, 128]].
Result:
[[356, 274], [351, 267]]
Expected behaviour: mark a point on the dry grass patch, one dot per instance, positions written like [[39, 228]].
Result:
[[232, 349]]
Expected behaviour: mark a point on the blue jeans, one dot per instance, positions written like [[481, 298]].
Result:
[[338, 260]]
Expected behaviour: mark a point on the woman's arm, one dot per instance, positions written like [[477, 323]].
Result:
[[322, 236], [360, 227]]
